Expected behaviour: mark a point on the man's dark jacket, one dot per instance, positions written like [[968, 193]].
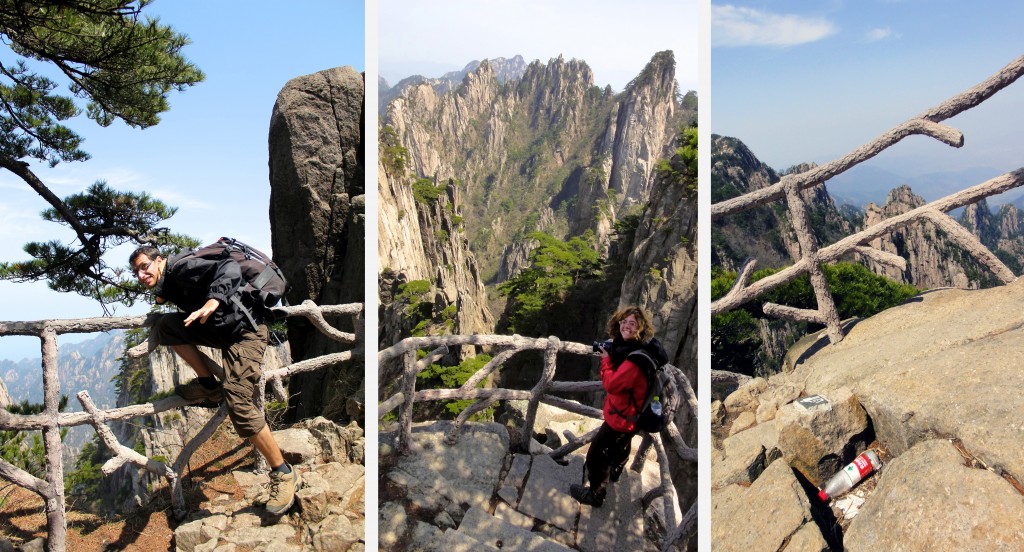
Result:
[[189, 281]]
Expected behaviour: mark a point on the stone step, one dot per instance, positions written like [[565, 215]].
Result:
[[546, 493], [511, 516], [618, 525], [457, 541], [497, 533]]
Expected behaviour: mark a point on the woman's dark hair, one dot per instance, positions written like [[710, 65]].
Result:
[[644, 329], [149, 251]]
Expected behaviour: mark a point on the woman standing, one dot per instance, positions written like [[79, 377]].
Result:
[[625, 383]]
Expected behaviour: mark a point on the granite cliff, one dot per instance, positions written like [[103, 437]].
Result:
[[317, 222], [484, 165]]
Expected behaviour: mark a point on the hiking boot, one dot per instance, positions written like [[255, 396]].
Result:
[[584, 495], [195, 392], [282, 491]]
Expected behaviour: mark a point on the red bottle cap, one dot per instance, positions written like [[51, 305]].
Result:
[[822, 495]]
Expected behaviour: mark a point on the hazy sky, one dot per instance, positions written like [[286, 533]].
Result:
[[616, 39], [208, 156], [811, 81]]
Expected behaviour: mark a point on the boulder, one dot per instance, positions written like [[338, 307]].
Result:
[[745, 455], [777, 397], [297, 445], [335, 533], [927, 499], [808, 539], [745, 420], [392, 523], [717, 413], [940, 364], [317, 223], [819, 442], [761, 517], [746, 396]]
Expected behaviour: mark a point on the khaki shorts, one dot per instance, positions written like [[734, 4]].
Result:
[[243, 358]]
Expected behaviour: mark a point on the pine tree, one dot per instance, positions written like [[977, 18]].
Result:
[[123, 65]]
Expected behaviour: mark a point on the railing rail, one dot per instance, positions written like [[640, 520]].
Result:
[[50, 421], [812, 257], [680, 395]]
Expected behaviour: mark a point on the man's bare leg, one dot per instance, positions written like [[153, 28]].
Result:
[[194, 358], [265, 443]]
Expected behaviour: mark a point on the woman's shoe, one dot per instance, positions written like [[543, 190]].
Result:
[[584, 495]]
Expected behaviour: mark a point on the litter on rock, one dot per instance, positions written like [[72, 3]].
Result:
[[850, 505]]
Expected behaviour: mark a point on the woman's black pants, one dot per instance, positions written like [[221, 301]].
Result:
[[607, 457]]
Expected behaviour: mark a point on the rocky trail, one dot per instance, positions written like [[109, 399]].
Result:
[[478, 495], [224, 496]]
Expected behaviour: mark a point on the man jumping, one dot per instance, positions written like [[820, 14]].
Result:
[[207, 293]]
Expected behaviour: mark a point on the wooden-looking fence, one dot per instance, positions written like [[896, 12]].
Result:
[[813, 256], [680, 404], [50, 420]]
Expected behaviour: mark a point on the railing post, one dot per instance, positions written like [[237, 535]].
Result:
[[55, 520], [409, 389], [809, 250], [550, 363]]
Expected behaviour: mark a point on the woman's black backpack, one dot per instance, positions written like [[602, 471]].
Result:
[[652, 417]]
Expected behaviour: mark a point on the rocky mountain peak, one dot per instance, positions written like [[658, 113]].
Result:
[[900, 200], [736, 170], [933, 260]]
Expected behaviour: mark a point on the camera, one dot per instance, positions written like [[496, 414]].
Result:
[[606, 345]]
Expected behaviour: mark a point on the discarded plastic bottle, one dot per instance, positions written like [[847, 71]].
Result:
[[850, 475], [656, 407]]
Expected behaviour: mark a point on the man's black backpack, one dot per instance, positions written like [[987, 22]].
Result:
[[652, 417], [264, 282]]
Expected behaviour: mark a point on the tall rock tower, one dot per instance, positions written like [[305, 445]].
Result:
[[317, 222]]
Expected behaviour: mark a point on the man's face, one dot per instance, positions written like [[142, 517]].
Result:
[[147, 270]]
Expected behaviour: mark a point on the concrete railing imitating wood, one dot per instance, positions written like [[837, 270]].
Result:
[[813, 257], [50, 421], [680, 398]]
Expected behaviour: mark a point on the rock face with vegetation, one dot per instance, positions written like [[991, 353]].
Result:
[[931, 378], [489, 164], [317, 221], [1001, 231], [763, 233], [745, 340], [549, 142], [5, 398], [427, 270]]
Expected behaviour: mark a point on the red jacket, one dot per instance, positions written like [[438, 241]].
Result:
[[626, 389]]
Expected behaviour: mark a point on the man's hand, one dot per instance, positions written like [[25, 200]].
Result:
[[203, 313]]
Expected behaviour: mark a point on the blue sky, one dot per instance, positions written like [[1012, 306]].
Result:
[[208, 156], [615, 39], [811, 81]]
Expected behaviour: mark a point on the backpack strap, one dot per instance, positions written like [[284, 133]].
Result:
[[236, 299]]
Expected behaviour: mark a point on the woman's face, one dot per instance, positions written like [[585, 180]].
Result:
[[628, 327]]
